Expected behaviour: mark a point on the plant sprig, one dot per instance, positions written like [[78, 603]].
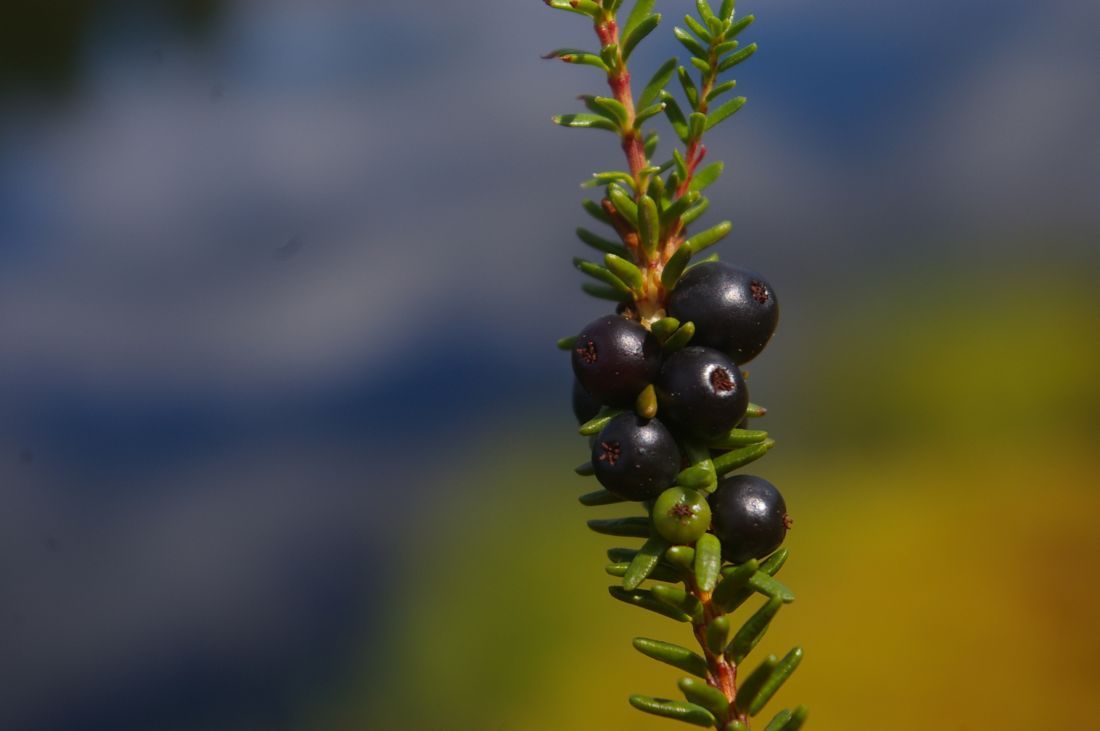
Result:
[[649, 208]]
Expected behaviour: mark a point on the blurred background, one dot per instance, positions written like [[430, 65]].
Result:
[[285, 442]]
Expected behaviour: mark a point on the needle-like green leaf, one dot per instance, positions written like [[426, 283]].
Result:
[[639, 32], [594, 209], [678, 599], [625, 270], [754, 628], [599, 243], [664, 327], [701, 694], [607, 107], [723, 112], [680, 338], [644, 599], [733, 585], [682, 556], [600, 497], [598, 422], [774, 682], [698, 476], [741, 457], [642, 10], [718, 633], [702, 241], [696, 48], [797, 718], [740, 25], [774, 562], [602, 292], [739, 438], [660, 573], [675, 115], [704, 9], [677, 710], [755, 411], [707, 176], [688, 85], [697, 125], [602, 274], [624, 204], [581, 7], [697, 210], [768, 586], [703, 66], [721, 89], [752, 684], [779, 720], [657, 83], [626, 527], [621, 555], [708, 561], [646, 403], [737, 58], [651, 111], [674, 655], [644, 563], [697, 28], [586, 121], [577, 56]]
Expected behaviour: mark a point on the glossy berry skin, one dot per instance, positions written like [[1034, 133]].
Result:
[[635, 458], [734, 310], [701, 391], [585, 407], [614, 359], [749, 517], [681, 515]]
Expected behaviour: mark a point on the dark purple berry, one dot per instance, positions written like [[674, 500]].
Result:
[[733, 309], [635, 458], [701, 391], [749, 517], [585, 407], [614, 359]]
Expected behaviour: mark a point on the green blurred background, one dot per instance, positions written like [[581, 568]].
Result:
[[289, 445]]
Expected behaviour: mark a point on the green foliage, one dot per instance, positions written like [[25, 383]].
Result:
[[649, 207]]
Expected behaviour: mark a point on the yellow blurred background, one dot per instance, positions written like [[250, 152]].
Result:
[[945, 553]]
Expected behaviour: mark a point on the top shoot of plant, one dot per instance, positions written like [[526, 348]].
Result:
[[659, 390]]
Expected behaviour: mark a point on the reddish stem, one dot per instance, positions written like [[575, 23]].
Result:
[[723, 673]]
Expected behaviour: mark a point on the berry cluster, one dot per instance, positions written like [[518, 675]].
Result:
[[660, 405]]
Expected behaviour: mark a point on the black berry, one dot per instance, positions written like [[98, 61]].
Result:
[[750, 517], [635, 458], [585, 407], [614, 359], [701, 390], [734, 310]]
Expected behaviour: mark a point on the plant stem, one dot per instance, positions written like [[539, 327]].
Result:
[[723, 672], [650, 302], [618, 78]]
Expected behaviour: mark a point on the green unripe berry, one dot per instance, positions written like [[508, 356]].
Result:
[[681, 515]]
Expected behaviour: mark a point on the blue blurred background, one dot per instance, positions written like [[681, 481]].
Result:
[[285, 443]]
